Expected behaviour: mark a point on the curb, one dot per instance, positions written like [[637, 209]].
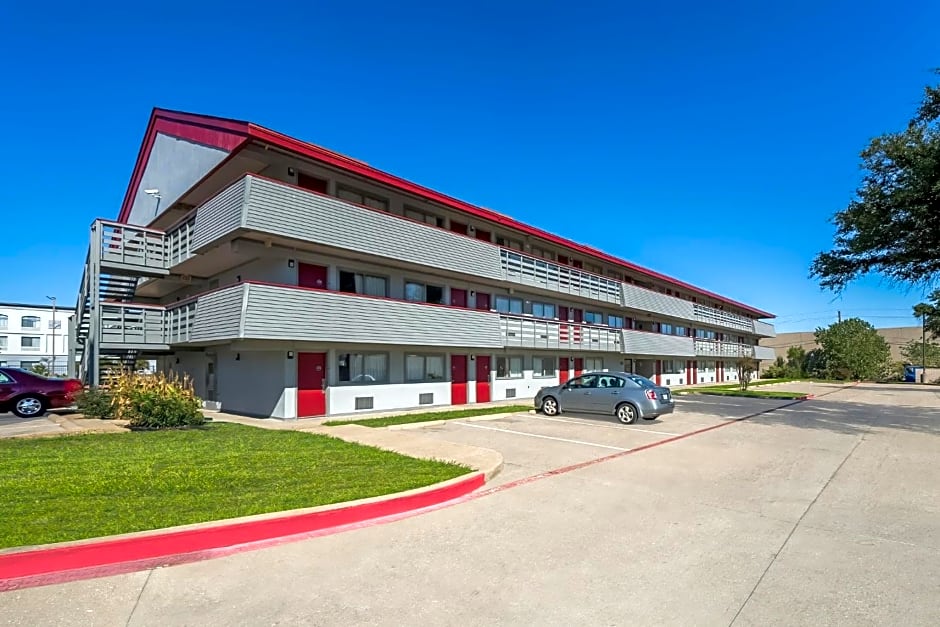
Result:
[[67, 561], [435, 423]]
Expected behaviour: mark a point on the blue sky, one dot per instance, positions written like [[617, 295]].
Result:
[[711, 143]]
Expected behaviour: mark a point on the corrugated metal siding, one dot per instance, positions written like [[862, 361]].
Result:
[[648, 300], [296, 314], [764, 329], [218, 314], [219, 215], [640, 343], [764, 353], [291, 212]]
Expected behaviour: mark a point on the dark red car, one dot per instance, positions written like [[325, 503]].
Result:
[[27, 394]]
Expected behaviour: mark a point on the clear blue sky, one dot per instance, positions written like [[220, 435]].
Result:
[[711, 143]]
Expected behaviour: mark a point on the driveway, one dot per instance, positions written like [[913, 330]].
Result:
[[730, 511], [11, 426]]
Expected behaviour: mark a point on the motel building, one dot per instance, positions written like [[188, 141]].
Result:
[[290, 281]]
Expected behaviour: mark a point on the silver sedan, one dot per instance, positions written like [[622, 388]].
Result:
[[625, 395]]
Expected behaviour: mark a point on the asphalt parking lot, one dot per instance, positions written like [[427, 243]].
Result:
[[745, 512]]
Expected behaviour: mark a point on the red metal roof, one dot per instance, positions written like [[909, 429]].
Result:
[[231, 135]]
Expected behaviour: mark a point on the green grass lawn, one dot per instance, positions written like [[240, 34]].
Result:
[[75, 487], [403, 419]]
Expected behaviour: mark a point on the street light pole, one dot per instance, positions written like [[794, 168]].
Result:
[[52, 298], [923, 346]]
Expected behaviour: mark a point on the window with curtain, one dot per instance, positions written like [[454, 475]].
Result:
[[593, 363], [363, 368], [509, 367], [31, 343], [423, 293], [356, 283], [615, 321], [543, 310], [543, 366], [424, 368], [4, 321], [505, 304], [361, 198], [3, 342], [29, 322]]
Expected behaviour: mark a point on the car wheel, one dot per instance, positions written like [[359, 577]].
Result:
[[29, 406], [550, 406], [626, 413]]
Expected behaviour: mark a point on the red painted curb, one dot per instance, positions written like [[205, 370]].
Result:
[[31, 564]]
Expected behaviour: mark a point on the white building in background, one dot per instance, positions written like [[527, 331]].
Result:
[[33, 334]]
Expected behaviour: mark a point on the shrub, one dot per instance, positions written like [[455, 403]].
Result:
[[156, 401], [95, 403]]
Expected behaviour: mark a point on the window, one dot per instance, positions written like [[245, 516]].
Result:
[[543, 253], [30, 343], [424, 368], [543, 310], [421, 216], [665, 328], [609, 382], [3, 342], [590, 267], [673, 366], [29, 322], [705, 334], [582, 382], [505, 304], [3, 377], [543, 366], [509, 367], [615, 321], [679, 331], [614, 274], [28, 365], [507, 242], [355, 283], [593, 317], [363, 367], [419, 292], [55, 324], [592, 364], [706, 365], [361, 198], [4, 321]]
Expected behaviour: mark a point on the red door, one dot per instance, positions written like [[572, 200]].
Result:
[[483, 301], [483, 235], [483, 379], [309, 275], [458, 227], [578, 315], [311, 395], [458, 379], [563, 313], [563, 365], [578, 366], [576, 263], [458, 298], [311, 182]]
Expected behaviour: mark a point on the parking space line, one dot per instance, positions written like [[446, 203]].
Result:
[[618, 427], [544, 437]]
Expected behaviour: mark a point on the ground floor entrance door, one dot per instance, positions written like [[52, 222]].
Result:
[[311, 388], [458, 379], [483, 378], [564, 363]]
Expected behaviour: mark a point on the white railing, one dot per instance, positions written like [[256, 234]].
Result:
[[178, 241], [717, 317], [520, 268], [712, 348], [523, 332]]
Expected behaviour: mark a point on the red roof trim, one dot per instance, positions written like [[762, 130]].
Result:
[[203, 129], [362, 169]]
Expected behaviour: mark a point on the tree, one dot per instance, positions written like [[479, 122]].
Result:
[[892, 226], [746, 366], [929, 313], [853, 349], [913, 353], [796, 362], [41, 368]]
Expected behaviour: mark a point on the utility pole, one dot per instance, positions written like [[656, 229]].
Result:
[[923, 345], [840, 315], [52, 298]]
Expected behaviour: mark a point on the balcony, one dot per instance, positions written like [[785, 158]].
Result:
[[124, 248], [722, 350], [533, 272], [525, 332], [721, 318], [655, 344], [764, 329], [131, 326]]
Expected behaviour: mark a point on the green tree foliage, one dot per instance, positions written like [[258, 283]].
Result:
[[930, 314], [746, 367], [913, 353], [793, 367], [853, 349], [892, 226]]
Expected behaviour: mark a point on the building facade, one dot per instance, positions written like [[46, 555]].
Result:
[[896, 337], [31, 335], [287, 280]]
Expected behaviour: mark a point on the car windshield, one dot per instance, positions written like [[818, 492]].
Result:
[[643, 382]]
